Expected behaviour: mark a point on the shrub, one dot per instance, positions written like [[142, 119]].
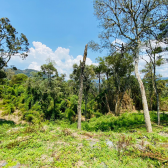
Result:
[[6, 101], [70, 114], [109, 122], [9, 108], [98, 114]]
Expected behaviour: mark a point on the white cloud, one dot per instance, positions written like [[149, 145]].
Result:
[[153, 44], [34, 65], [163, 69], [118, 42], [40, 52]]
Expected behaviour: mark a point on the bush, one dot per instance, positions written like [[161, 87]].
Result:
[[70, 114], [98, 114], [32, 116], [6, 101], [10, 91], [109, 122], [9, 108]]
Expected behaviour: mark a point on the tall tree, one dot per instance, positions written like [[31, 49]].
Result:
[[88, 77], [105, 70], [10, 44], [82, 67], [154, 49], [130, 20]]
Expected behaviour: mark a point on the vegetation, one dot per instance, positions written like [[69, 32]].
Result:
[[59, 144], [40, 112], [10, 44]]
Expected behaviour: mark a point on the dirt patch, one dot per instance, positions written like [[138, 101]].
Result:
[[79, 164], [14, 130], [15, 117], [163, 134], [164, 145], [84, 136]]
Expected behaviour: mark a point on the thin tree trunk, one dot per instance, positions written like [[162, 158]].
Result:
[[116, 104], [157, 96], [99, 82], [108, 107], [82, 65], [85, 106], [144, 100], [151, 102]]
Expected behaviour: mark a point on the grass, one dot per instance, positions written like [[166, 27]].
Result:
[[59, 144]]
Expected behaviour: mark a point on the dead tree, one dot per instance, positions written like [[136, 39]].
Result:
[[82, 67]]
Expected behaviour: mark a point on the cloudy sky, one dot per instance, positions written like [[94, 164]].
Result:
[[58, 30]]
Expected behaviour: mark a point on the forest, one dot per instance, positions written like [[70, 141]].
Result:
[[101, 115]]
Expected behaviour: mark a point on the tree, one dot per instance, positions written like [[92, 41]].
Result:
[[18, 79], [153, 50], [98, 71], [49, 70], [148, 81], [163, 35], [82, 67], [10, 44], [130, 20], [88, 77], [105, 70], [47, 90], [120, 68]]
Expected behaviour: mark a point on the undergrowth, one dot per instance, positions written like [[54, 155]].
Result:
[[60, 144]]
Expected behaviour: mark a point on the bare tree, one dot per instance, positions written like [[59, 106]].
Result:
[[82, 65]]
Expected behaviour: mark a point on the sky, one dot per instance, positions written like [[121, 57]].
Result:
[[56, 29]]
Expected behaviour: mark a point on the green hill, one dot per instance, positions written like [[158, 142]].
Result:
[[26, 71]]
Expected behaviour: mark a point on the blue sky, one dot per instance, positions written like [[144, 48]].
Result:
[[68, 24], [58, 29]]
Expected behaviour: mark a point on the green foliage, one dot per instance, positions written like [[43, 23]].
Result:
[[57, 144], [2, 73], [9, 109], [70, 114], [1, 91], [18, 79], [98, 114], [10, 43], [106, 123], [32, 116]]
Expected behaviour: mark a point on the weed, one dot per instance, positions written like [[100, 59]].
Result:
[[122, 144], [66, 132], [12, 144]]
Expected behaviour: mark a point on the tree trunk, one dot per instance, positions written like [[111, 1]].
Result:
[[116, 105], [144, 100], [81, 87], [85, 105], [151, 102], [108, 107], [99, 82], [157, 96]]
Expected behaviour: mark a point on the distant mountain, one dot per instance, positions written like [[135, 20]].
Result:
[[26, 71], [164, 78]]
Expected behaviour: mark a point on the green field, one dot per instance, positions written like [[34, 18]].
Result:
[[60, 144]]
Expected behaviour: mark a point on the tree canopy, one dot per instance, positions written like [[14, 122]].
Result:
[[10, 43]]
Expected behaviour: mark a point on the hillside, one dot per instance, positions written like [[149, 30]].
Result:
[[19, 71], [26, 71]]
